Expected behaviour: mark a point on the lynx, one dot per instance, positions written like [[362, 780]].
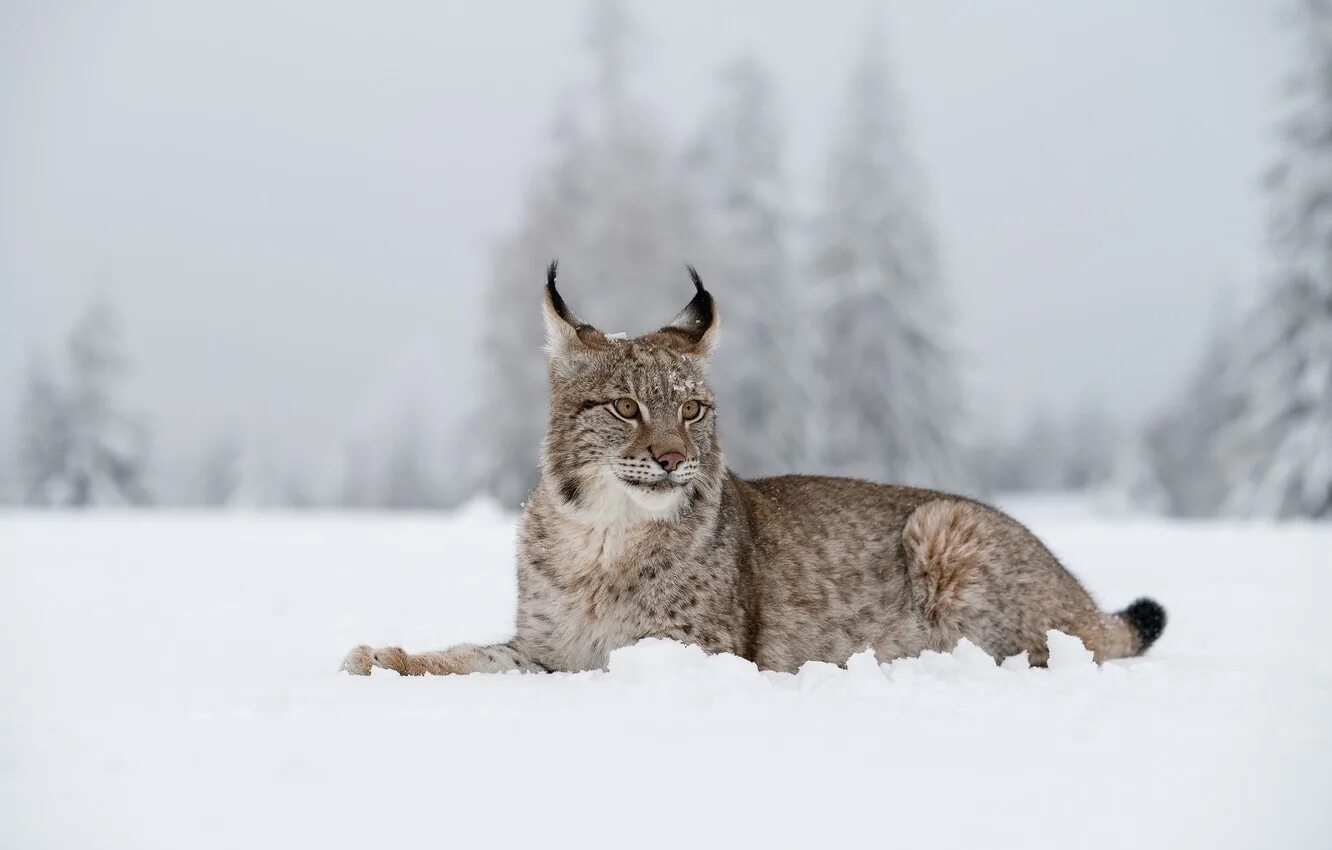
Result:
[[637, 529]]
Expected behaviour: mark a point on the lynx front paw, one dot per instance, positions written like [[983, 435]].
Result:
[[395, 659], [359, 661]]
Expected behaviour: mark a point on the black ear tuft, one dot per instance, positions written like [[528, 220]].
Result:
[[698, 317], [693, 274], [565, 332], [556, 301]]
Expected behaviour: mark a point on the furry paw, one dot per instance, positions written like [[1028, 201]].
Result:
[[358, 661], [361, 659]]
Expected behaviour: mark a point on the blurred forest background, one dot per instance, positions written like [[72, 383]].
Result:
[[843, 352]]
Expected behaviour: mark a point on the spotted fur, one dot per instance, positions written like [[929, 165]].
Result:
[[615, 548]]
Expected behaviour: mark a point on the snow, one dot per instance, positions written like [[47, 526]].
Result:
[[170, 681]]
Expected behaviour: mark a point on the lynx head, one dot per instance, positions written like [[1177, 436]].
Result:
[[632, 433]]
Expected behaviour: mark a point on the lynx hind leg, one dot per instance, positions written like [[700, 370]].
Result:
[[977, 574], [948, 559], [1106, 635]]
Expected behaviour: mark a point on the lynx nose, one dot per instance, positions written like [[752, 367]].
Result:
[[669, 460]]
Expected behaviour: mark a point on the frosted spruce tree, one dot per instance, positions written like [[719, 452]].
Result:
[[761, 372], [1277, 448], [890, 400], [609, 202], [44, 446], [80, 446]]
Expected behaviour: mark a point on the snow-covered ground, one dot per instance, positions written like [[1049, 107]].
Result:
[[169, 681]]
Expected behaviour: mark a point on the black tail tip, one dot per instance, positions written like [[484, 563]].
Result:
[[1148, 619]]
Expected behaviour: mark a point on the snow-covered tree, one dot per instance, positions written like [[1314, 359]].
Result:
[[1277, 447], [890, 406], [80, 446], [44, 437], [761, 372], [110, 447], [610, 204]]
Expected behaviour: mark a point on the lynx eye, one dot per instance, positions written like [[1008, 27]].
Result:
[[691, 410], [625, 408]]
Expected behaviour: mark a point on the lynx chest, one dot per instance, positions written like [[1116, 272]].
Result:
[[585, 591]]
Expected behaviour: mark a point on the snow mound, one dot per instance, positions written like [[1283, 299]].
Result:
[[657, 660], [654, 660], [1067, 653]]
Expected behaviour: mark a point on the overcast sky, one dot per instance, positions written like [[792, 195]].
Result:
[[291, 203]]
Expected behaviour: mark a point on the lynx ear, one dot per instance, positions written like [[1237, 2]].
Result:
[[695, 329], [566, 335]]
